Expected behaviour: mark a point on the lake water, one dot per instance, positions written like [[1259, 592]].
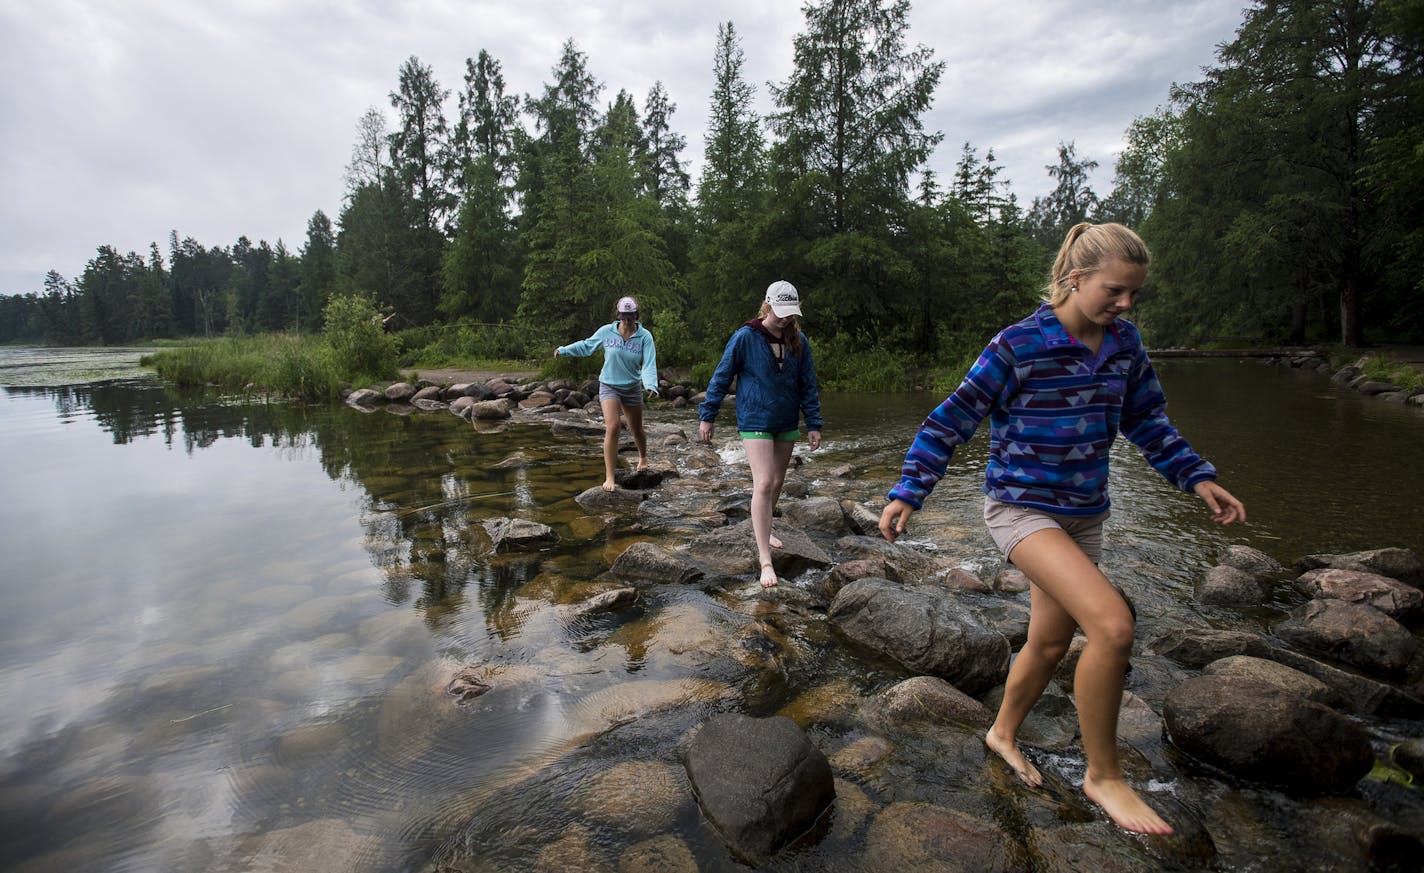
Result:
[[228, 624]]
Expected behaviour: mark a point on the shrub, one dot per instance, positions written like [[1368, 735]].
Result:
[[360, 348]]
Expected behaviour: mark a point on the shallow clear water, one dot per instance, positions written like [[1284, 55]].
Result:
[[228, 625]]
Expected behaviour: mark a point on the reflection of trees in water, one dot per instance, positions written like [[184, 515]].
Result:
[[425, 478]]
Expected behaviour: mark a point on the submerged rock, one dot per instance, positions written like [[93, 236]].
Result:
[[914, 837], [518, 534]]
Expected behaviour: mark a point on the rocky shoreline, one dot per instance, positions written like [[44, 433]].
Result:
[[1352, 376], [1316, 710]]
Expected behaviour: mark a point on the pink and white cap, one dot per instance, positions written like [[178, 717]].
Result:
[[627, 305]]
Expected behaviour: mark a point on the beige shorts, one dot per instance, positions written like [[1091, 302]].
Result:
[[1009, 524]]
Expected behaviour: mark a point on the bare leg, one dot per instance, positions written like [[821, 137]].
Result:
[[1050, 631], [640, 438], [1061, 572], [768, 460], [611, 407]]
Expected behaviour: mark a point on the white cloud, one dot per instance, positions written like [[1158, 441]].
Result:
[[127, 120]]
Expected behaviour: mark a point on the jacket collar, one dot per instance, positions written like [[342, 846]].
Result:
[[1055, 335]]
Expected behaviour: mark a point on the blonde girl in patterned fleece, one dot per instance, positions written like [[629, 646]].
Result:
[[1057, 387]]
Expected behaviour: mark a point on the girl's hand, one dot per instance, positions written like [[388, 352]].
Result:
[[556, 353], [813, 439], [1224, 508], [894, 518], [704, 431]]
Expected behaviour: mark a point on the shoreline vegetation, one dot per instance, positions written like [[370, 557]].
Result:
[[352, 353]]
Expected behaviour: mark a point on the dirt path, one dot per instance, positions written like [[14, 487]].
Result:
[[456, 377]]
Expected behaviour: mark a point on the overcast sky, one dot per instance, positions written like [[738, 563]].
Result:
[[127, 119]]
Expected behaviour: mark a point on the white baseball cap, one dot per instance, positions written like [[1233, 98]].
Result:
[[627, 304], [783, 298]]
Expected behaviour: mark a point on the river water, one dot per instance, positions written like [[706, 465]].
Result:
[[228, 624]]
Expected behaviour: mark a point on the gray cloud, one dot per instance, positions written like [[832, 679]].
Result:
[[127, 121]]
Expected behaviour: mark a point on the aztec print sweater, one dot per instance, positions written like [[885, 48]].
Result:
[[1054, 409]]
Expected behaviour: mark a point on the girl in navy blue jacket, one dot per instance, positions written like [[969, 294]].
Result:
[[776, 386]]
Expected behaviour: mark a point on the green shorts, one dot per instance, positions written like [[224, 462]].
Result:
[[784, 436]]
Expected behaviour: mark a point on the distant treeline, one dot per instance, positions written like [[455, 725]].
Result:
[[1282, 195]]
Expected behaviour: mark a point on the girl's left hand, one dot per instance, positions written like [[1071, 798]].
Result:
[[813, 439], [1224, 508]]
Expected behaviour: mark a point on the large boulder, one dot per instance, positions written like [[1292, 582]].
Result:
[[926, 631], [911, 837], [927, 699], [646, 561], [1351, 633], [822, 515], [760, 782], [1256, 731], [595, 499], [490, 410], [365, 398], [400, 392], [1394, 598], [1288, 679]]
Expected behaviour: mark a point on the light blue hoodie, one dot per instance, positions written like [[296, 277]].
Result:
[[625, 362]]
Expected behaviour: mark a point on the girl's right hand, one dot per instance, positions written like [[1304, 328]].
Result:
[[704, 431], [893, 520]]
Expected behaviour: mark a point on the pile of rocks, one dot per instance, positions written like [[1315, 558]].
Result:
[[501, 397]]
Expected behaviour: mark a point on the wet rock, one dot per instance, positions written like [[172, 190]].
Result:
[[1253, 561], [1095, 846], [641, 797], [1255, 731], [922, 837], [842, 575], [830, 702], [909, 564], [490, 410], [1401, 564], [323, 845], [467, 684], [1351, 633], [645, 561], [425, 404], [1229, 586], [760, 781], [1196, 647], [664, 854], [1287, 679], [862, 756], [400, 392], [822, 515], [365, 398], [639, 480], [1011, 580], [462, 406], [1394, 598], [518, 534], [963, 579], [1409, 756], [619, 704], [929, 699], [431, 393], [573, 850], [861, 518], [595, 499], [537, 400], [853, 808], [609, 600], [1355, 693], [733, 550], [928, 632]]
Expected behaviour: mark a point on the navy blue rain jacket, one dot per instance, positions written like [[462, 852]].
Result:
[[768, 398]]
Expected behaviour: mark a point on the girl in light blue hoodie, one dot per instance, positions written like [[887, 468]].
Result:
[[628, 358]]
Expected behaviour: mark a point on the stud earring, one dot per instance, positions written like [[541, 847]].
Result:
[[1073, 288]]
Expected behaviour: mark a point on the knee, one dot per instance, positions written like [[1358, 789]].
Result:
[[1050, 651], [1116, 634]]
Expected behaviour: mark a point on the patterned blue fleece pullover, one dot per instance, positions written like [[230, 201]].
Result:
[[1054, 408]]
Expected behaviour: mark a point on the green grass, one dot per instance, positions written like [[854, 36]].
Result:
[[295, 366]]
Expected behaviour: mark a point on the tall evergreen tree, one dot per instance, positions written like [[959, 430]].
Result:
[[318, 273], [851, 137], [1071, 201]]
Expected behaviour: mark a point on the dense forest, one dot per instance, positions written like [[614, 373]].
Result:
[[1282, 195]]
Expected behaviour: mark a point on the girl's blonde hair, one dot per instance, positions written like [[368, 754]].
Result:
[[791, 334], [1086, 248]]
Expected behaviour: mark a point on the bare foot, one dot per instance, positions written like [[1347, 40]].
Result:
[[1123, 806], [642, 463], [1008, 750], [610, 485], [775, 543], [768, 576]]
